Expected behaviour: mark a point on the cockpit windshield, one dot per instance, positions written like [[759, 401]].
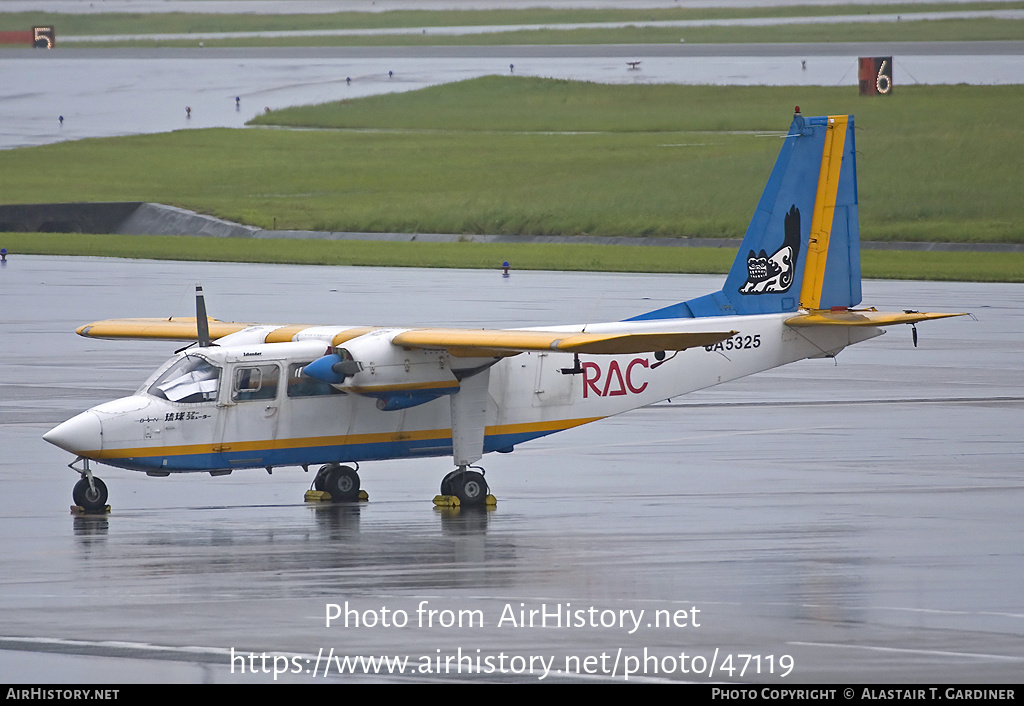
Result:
[[191, 379]]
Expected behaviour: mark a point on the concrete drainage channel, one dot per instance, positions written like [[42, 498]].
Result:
[[122, 217], [141, 218]]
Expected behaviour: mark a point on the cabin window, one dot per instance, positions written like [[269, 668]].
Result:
[[301, 385], [191, 379], [255, 382]]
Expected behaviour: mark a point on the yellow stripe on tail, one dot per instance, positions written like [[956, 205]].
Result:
[[824, 212]]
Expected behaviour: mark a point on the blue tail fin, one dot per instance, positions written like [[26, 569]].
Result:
[[802, 247]]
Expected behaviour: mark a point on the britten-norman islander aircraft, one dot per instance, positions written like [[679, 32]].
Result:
[[265, 396]]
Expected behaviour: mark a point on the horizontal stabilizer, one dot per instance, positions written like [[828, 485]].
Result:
[[473, 343], [863, 317]]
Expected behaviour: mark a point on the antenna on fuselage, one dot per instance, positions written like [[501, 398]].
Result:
[[202, 323]]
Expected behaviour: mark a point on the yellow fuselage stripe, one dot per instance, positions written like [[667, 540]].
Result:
[[227, 446], [824, 212]]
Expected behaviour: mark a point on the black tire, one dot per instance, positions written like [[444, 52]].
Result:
[[90, 500], [470, 488], [320, 482], [446, 483], [342, 483]]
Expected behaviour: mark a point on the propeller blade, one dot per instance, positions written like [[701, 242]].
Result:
[[202, 323]]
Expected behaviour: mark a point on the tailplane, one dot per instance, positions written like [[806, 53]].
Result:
[[802, 247]]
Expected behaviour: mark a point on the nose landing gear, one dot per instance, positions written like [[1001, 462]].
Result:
[[90, 493]]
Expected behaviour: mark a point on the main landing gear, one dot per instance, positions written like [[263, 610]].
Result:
[[464, 488], [460, 488], [341, 482], [90, 493]]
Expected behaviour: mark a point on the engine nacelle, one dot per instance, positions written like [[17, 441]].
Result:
[[372, 366]]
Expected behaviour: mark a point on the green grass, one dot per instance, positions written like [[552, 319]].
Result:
[[532, 156], [526, 256], [977, 267], [964, 266]]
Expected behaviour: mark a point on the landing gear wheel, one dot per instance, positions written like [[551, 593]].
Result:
[[91, 500], [469, 487], [320, 482], [446, 483], [342, 482]]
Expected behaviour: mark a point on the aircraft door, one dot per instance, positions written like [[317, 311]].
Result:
[[551, 386], [312, 412], [250, 414]]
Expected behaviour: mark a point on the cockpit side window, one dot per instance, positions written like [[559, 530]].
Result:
[[301, 385], [255, 382], [191, 379]]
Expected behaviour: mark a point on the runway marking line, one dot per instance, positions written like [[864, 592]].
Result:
[[905, 650]]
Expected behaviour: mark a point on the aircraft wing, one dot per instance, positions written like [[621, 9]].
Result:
[[174, 329], [862, 317], [471, 343], [466, 343]]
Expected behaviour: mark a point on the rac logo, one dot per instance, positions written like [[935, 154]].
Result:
[[615, 381]]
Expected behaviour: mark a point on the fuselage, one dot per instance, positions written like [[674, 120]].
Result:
[[248, 404]]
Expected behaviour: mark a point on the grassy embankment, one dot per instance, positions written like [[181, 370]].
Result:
[[500, 155], [968, 267], [83, 25]]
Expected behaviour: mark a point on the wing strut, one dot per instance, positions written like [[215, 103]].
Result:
[[469, 413]]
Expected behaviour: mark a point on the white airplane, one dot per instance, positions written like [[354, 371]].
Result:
[[265, 396]]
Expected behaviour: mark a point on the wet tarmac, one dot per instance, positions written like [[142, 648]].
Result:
[[106, 92], [878, 18], [851, 521]]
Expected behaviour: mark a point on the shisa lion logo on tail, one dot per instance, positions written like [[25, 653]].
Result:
[[776, 273]]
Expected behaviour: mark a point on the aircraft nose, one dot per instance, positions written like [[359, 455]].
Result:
[[79, 435]]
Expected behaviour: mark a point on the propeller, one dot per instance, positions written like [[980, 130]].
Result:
[[333, 368]]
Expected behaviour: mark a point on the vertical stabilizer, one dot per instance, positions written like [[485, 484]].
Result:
[[802, 247]]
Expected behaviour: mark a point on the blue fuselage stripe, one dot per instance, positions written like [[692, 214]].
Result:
[[311, 455]]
